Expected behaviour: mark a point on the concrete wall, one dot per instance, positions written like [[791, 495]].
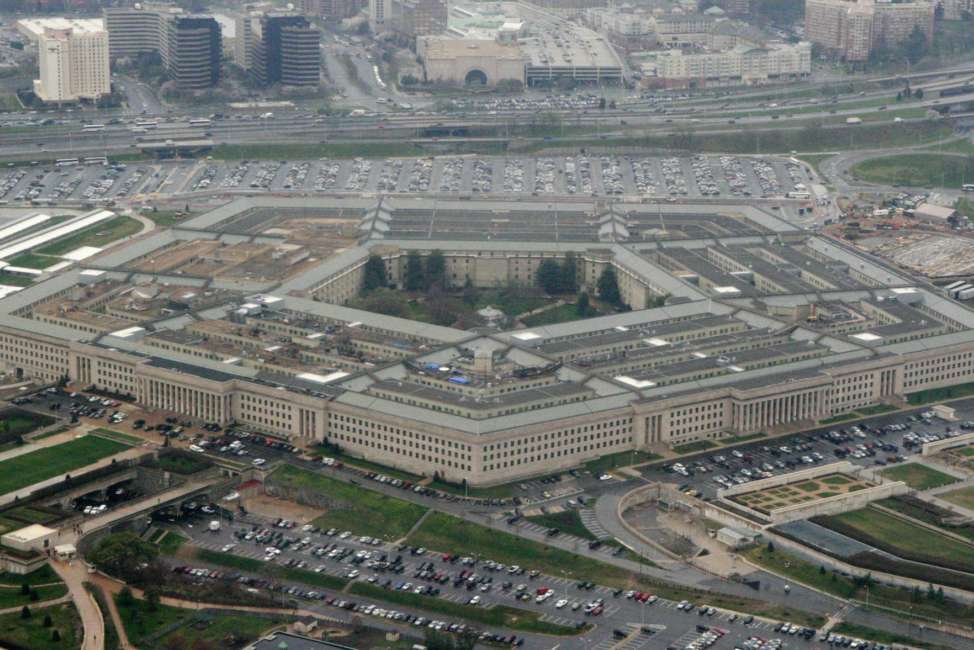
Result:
[[930, 448]]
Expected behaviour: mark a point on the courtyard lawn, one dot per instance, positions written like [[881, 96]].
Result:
[[560, 314], [353, 508], [11, 596], [15, 280], [36, 466], [963, 497], [141, 624], [32, 633], [901, 538], [15, 422], [918, 476], [100, 234], [33, 261], [43, 576]]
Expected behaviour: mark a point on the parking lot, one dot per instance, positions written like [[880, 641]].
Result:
[[667, 178], [637, 620], [878, 441]]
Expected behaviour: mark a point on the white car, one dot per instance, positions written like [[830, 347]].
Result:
[[561, 603], [196, 448], [258, 462], [605, 477]]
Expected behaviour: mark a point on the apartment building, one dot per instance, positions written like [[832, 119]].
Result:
[[852, 29], [743, 64], [190, 46], [72, 57]]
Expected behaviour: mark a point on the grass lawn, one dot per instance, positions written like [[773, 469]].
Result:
[[445, 533], [693, 447], [733, 440], [15, 280], [182, 462], [353, 508], [963, 497], [809, 574], [925, 512], [140, 624], [917, 170], [941, 394], [9, 103], [44, 575], [901, 538], [171, 542], [218, 631], [36, 466], [567, 521], [816, 159], [620, 459], [11, 596], [167, 218], [99, 234], [15, 422], [881, 636], [560, 314], [269, 569], [918, 476], [34, 261], [498, 616], [32, 633], [118, 436]]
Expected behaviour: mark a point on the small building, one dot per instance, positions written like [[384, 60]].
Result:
[[65, 552], [32, 538], [736, 538], [935, 213]]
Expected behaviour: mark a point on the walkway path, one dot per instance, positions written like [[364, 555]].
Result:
[[74, 576]]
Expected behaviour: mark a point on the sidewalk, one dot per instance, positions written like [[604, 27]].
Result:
[[74, 576]]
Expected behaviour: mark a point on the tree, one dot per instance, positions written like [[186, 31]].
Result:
[[549, 276], [34, 596], [582, 306], [47, 620], [123, 555], [408, 80], [125, 597], [569, 273], [918, 93], [608, 286], [602, 103], [436, 269], [25, 612], [469, 292], [770, 546], [374, 274], [152, 599], [25, 589], [385, 301], [821, 570], [915, 46], [415, 278], [55, 636]]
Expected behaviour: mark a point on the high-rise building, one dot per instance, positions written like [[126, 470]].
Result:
[[72, 57], [331, 9], [852, 29], [190, 46], [379, 12], [412, 18], [280, 49]]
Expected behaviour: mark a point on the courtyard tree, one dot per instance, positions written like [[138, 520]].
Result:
[[374, 275], [582, 306], [415, 278], [123, 555], [436, 269], [569, 273], [609, 286], [549, 276]]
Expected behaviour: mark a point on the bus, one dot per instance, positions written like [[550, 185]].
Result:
[[799, 195], [96, 160], [200, 121], [92, 128], [967, 187], [66, 162], [147, 124]]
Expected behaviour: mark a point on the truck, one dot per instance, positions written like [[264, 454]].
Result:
[[214, 526], [853, 120]]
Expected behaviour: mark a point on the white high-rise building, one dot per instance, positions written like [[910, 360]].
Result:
[[379, 12], [72, 57]]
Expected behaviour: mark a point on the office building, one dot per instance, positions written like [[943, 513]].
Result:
[[379, 12], [72, 58], [853, 29], [190, 47], [412, 18], [280, 49]]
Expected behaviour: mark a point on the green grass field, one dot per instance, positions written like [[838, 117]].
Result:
[[15, 422], [140, 623], [32, 633], [963, 497], [171, 542], [916, 170], [36, 466], [499, 616], [904, 539], [44, 575], [567, 521], [924, 512], [15, 280], [99, 234], [11, 596], [218, 631], [560, 314], [9, 103], [693, 447], [904, 600], [620, 459], [34, 261], [918, 476], [361, 511], [167, 218]]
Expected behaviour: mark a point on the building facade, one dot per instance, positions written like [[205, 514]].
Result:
[[740, 65], [280, 49], [73, 64], [852, 29]]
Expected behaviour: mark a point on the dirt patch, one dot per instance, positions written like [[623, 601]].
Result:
[[267, 506]]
